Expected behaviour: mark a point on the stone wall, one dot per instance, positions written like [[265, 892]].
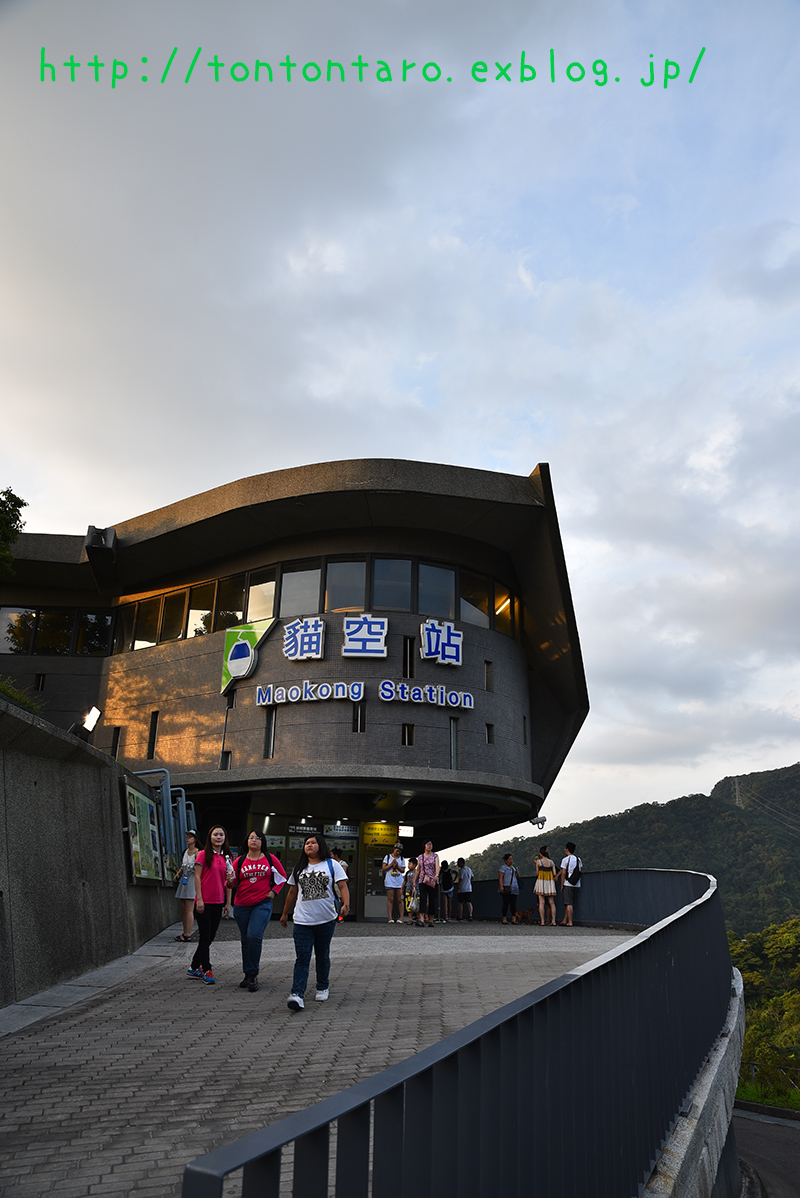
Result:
[[66, 902]]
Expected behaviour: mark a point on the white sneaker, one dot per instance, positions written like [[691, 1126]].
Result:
[[322, 995], [295, 1003]]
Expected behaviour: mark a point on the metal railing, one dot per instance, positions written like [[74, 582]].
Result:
[[571, 1089]]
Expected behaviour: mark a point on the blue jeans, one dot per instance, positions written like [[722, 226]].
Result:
[[307, 936], [252, 921]]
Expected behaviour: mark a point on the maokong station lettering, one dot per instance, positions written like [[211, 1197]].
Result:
[[363, 648]]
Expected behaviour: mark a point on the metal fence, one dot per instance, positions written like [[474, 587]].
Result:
[[570, 1090]]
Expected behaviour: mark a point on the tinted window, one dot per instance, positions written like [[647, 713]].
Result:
[[94, 631], [261, 600], [503, 610], [173, 616], [123, 631], [54, 632], [391, 584], [201, 609], [16, 629], [300, 590], [230, 602], [147, 623], [344, 586], [437, 591], [474, 606]]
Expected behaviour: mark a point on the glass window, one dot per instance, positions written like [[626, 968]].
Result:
[[300, 589], [147, 623], [437, 592], [474, 605], [391, 584], [344, 586], [123, 630], [173, 616], [54, 632], [230, 602], [503, 609], [261, 600], [201, 609], [94, 631], [16, 629]]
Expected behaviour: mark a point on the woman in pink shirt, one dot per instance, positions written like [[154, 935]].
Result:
[[213, 876]]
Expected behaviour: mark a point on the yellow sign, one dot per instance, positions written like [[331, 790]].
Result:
[[379, 833]]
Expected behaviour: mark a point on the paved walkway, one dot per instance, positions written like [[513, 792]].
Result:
[[111, 1083]]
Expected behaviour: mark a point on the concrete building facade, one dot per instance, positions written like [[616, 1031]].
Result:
[[351, 647]]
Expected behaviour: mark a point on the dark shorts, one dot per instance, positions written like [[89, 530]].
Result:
[[465, 896], [570, 894]]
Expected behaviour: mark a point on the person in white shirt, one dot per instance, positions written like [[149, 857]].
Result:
[[312, 899], [394, 872], [465, 877], [571, 867]]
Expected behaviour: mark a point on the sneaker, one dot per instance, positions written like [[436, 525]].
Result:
[[295, 1003], [252, 984], [245, 982], [194, 973], [322, 995], [209, 978]]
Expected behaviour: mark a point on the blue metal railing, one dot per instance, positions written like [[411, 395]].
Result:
[[571, 1089]]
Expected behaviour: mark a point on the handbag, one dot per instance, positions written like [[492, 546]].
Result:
[[413, 903]]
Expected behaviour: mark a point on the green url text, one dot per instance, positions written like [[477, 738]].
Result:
[[312, 72]]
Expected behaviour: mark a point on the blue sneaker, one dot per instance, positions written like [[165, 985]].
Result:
[[208, 977], [194, 973]]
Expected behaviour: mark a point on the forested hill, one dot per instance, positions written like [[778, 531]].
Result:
[[751, 846]]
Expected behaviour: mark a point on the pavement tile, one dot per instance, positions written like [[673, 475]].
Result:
[[114, 1091]]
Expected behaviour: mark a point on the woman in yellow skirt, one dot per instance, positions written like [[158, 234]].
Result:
[[545, 886]]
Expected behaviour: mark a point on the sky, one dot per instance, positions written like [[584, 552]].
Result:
[[209, 279]]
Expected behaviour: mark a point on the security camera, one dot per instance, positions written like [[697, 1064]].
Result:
[[539, 821]]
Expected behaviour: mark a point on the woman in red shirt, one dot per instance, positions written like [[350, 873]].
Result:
[[213, 878], [259, 878]]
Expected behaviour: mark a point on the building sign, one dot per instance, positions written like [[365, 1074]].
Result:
[[144, 839], [240, 655], [364, 636], [304, 639], [349, 830], [379, 833], [406, 692], [440, 642], [306, 829]]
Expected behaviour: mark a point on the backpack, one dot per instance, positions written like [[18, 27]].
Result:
[[575, 876]]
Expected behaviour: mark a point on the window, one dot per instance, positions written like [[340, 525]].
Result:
[[147, 614], [437, 592], [39, 681], [409, 656], [201, 609], [225, 759], [391, 584], [123, 630], [269, 731], [488, 676], [524, 730], [230, 602], [261, 598], [474, 605], [16, 629], [453, 743], [173, 616], [344, 586], [407, 735], [490, 734], [153, 736], [360, 716], [94, 632], [115, 732], [503, 610], [54, 632], [300, 589]]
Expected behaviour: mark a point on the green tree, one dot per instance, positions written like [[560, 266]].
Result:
[[11, 525]]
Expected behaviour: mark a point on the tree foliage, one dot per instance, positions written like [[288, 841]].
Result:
[[11, 525], [753, 850]]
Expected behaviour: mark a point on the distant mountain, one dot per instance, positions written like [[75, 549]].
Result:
[[746, 833]]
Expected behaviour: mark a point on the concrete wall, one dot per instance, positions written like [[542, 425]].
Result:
[[66, 904]]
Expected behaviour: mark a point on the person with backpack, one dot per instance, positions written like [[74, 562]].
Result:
[[508, 881], [311, 900], [570, 875], [259, 879]]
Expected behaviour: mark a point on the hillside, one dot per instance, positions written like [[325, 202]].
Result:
[[753, 849]]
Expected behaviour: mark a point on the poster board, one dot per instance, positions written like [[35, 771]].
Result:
[[144, 837]]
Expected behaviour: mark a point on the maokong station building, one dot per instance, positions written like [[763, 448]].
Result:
[[355, 648]]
